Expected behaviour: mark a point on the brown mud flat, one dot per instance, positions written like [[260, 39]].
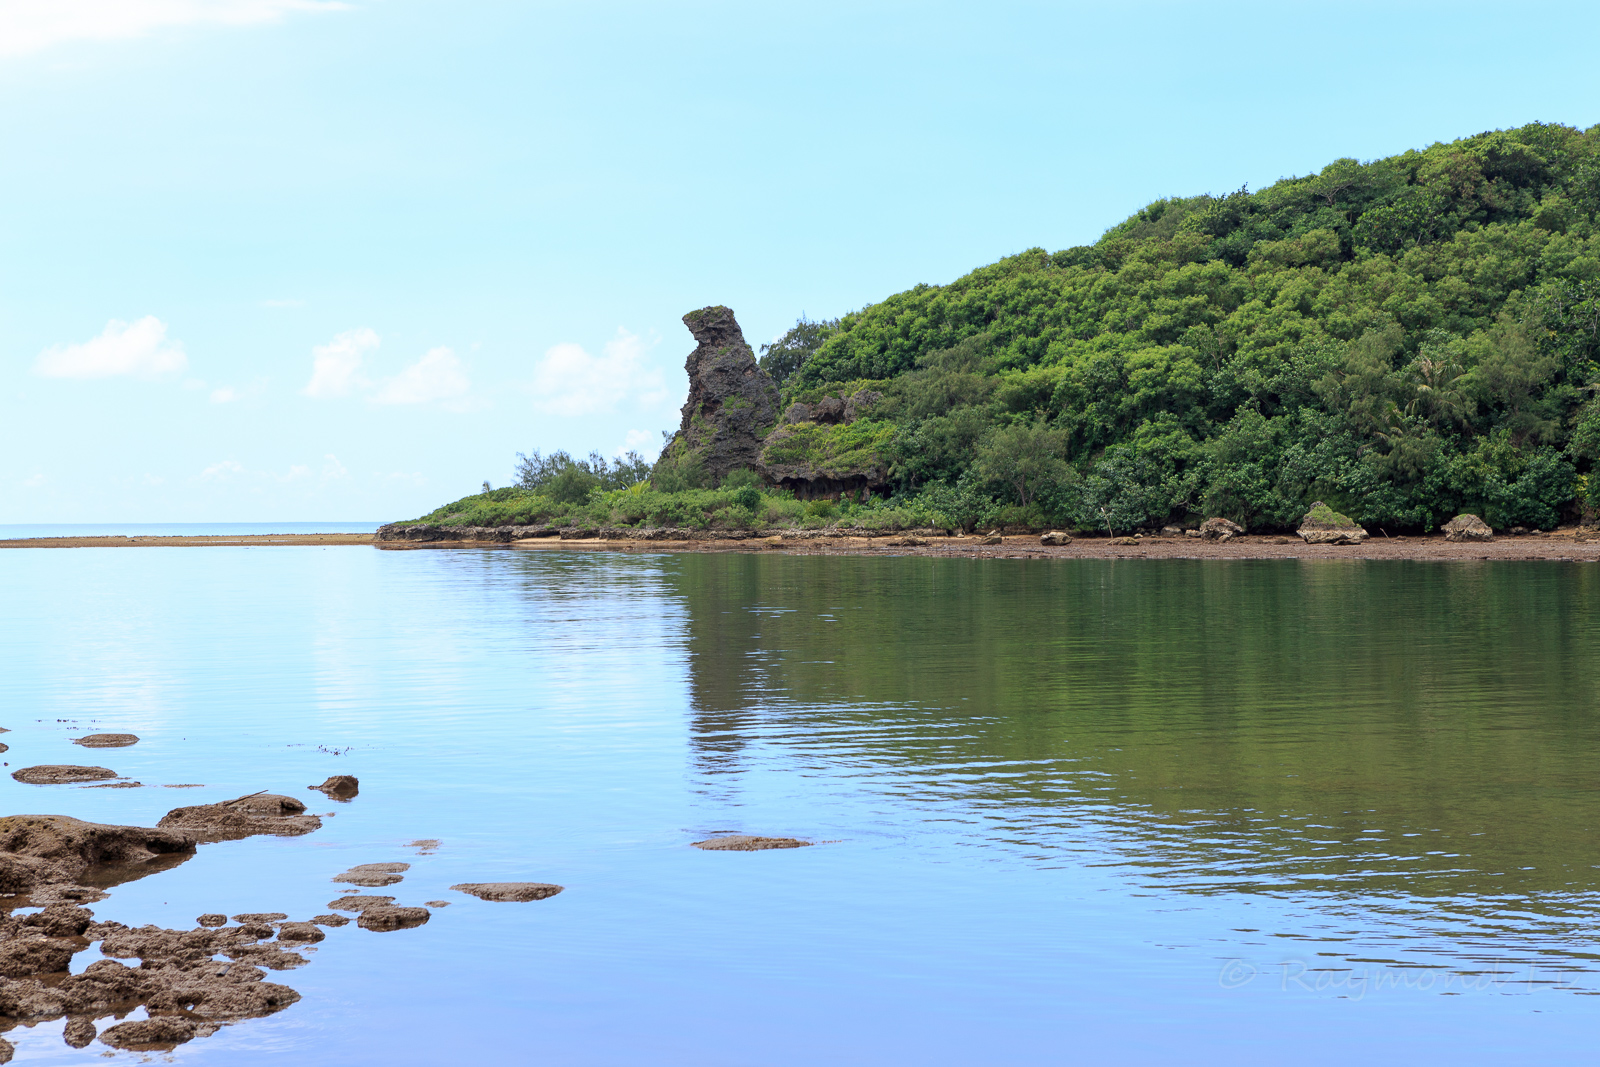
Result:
[[1563, 544], [186, 541]]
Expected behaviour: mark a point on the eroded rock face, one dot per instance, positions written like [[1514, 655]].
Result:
[[731, 399], [1324, 526], [1220, 529], [1467, 527]]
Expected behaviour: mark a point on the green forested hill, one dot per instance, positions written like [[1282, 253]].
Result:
[[1404, 339]]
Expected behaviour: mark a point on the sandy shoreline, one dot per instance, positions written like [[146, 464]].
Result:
[[188, 541], [1558, 545]]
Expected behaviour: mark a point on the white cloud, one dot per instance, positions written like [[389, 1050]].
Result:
[[222, 471], [225, 394], [138, 348], [332, 469], [569, 381], [34, 482], [436, 376], [644, 442], [30, 25], [336, 366]]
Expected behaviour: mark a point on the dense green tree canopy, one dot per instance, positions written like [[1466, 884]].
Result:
[[1404, 338]]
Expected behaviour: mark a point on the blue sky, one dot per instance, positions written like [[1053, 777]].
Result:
[[301, 260]]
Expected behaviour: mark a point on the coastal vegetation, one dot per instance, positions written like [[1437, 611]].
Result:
[[1403, 339]]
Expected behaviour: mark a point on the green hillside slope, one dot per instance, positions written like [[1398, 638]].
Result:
[[1404, 339]]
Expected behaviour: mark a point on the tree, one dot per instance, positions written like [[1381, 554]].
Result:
[[1025, 457], [788, 353]]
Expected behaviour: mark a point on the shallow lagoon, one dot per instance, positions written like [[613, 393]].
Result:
[[1073, 810]]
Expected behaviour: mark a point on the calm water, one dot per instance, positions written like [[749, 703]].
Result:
[[1075, 811]]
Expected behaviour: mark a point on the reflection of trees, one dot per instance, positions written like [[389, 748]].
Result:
[[1344, 729]]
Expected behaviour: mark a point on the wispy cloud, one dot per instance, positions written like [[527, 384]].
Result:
[[643, 442], [567, 380], [436, 376], [336, 366], [339, 368], [231, 470], [137, 348], [31, 25]]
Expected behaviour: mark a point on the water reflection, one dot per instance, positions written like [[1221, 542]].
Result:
[[1406, 748]]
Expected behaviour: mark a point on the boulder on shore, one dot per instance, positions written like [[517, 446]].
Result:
[[1220, 529], [1324, 526], [1055, 538], [1465, 527]]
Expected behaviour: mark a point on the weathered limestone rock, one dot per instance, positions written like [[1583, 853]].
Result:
[[731, 399], [1055, 538], [1324, 526], [1466, 527], [1220, 529]]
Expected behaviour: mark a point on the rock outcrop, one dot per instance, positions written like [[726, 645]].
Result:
[[731, 399], [1324, 526], [820, 451], [1220, 529], [1467, 527]]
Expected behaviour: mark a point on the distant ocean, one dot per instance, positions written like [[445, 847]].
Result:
[[176, 529]]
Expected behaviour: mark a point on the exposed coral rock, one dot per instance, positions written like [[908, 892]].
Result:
[[78, 1032], [106, 740], [339, 786], [60, 774], [1055, 538], [1220, 529], [1324, 526], [157, 1032], [359, 902], [373, 875], [1467, 527], [747, 843], [211, 918], [731, 399], [258, 813], [383, 917], [508, 891], [44, 850]]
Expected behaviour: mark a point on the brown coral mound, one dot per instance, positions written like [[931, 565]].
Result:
[[359, 902], [339, 786], [61, 774], [158, 1032], [230, 820], [747, 843], [384, 917], [373, 875], [45, 850], [106, 740], [508, 891]]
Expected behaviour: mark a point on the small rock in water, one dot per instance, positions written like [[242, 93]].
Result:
[[373, 875], [383, 917], [508, 891], [339, 786], [257, 813], [426, 844], [212, 918], [437, 903], [106, 740], [116, 785], [78, 1032], [747, 843], [330, 920], [251, 918], [156, 1032], [359, 902], [300, 932], [60, 774]]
